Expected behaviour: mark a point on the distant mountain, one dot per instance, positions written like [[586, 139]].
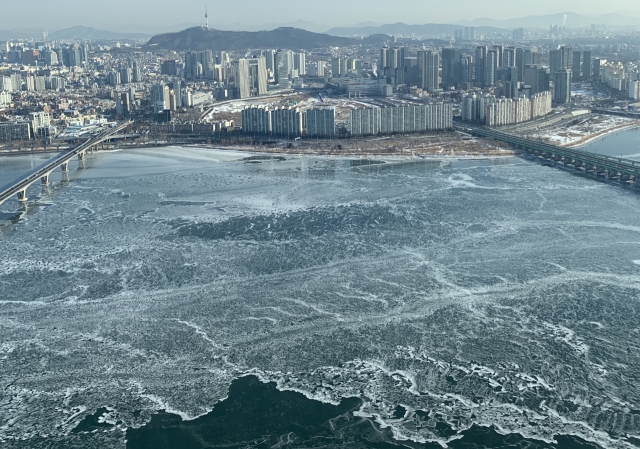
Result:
[[301, 24], [88, 33], [199, 38], [569, 19], [402, 29], [152, 30]]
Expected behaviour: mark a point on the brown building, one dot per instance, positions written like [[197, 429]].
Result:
[[30, 57]]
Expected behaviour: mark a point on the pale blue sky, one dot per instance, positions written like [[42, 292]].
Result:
[[111, 14]]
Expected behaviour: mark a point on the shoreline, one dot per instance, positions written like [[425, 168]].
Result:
[[601, 134], [359, 154]]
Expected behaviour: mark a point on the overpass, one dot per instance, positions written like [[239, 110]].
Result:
[[20, 186], [623, 170]]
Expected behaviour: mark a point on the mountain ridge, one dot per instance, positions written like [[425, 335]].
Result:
[[403, 29], [570, 19], [199, 38]]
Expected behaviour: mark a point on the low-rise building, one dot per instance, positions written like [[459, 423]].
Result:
[[10, 131]]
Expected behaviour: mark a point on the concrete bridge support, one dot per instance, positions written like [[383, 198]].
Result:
[[22, 195], [45, 179], [64, 167], [81, 156]]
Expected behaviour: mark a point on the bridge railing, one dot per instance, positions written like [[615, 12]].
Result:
[[52, 164], [617, 163]]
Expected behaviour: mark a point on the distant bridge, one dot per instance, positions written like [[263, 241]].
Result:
[[615, 168], [20, 186]]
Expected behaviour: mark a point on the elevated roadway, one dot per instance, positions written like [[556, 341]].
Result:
[[19, 187], [616, 168]]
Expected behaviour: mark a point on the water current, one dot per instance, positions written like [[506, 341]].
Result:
[[187, 298]]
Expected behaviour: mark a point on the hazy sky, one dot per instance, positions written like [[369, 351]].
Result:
[[111, 14]]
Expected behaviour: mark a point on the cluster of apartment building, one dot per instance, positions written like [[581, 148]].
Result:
[[248, 76], [624, 77], [401, 119], [321, 122], [32, 83], [487, 108], [38, 124], [279, 121], [191, 128]]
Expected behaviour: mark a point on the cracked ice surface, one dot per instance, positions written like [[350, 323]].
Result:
[[487, 292]]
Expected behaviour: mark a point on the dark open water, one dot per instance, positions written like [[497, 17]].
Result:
[[188, 299]]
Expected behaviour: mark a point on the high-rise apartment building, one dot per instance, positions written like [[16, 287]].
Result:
[[5, 84], [270, 56], [392, 65], [587, 65], [320, 122], [300, 63], [490, 67], [428, 70], [466, 69], [562, 86], [283, 68], [287, 121], [257, 120], [258, 75], [560, 59], [576, 68], [160, 97], [364, 122], [242, 78], [523, 58], [169, 67], [401, 119], [5, 99], [509, 57], [499, 50], [450, 67], [480, 56]]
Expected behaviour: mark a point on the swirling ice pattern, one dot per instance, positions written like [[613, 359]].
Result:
[[485, 294]]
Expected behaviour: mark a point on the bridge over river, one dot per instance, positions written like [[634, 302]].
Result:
[[624, 170], [19, 187]]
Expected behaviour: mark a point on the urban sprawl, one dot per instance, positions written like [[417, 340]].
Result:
[[62, 91]]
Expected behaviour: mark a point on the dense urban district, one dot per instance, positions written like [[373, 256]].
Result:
[[290, 89]]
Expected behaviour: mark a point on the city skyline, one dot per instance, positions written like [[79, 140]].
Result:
[[120, 15]]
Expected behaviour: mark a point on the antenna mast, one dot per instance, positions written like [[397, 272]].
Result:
[[206, 15]]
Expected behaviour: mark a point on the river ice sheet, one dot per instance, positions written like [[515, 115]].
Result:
[[497, 293]]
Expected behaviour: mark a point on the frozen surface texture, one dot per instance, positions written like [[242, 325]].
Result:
[[444, 297]]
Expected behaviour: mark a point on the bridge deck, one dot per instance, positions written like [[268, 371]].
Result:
[[620, 165], [25, 181]]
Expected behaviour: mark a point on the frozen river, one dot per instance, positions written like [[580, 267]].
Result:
[[425, 300]]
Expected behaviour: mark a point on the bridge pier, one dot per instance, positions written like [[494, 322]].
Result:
[[64, 167], [81, 156], [45, 179], [22, 195]]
